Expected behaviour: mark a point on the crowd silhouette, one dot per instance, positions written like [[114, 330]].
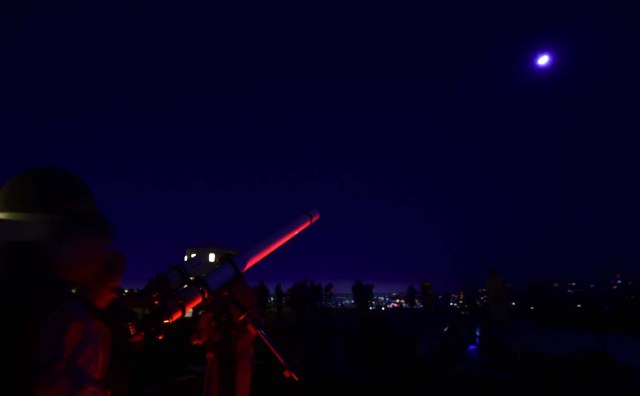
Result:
[[437, 342]]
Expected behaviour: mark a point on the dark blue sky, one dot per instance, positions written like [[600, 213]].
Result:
[[430, 144]]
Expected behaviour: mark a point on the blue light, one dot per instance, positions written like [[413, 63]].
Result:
[[473, 352], [543, 60]]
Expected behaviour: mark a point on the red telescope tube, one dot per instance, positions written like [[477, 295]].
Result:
[[252, 257], [194, 293]]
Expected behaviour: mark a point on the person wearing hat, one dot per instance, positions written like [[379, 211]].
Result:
[[57, 269]]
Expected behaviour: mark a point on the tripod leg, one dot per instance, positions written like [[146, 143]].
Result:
[[288, 370]]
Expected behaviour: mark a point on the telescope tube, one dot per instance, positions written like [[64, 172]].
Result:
[[263, 249], [193, 293]]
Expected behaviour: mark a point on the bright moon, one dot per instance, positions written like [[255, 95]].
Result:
[[543, 60]]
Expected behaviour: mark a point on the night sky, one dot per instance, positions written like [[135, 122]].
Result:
[[430, 143]]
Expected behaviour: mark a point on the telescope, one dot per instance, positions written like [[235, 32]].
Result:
[[170, 295]]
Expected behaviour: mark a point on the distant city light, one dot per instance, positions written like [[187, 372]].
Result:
[[543, 60], [212, 257]]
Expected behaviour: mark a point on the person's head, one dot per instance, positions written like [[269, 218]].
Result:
[[54, 210]]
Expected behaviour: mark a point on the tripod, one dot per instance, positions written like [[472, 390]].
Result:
[[230, 326]]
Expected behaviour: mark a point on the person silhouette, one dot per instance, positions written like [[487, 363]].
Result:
[[279, 295], [225, 332], [362, 295], [57, 267], [411, 297], [263, 294]]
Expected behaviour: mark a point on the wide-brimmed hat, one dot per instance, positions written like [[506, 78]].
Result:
[[40, 202]]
